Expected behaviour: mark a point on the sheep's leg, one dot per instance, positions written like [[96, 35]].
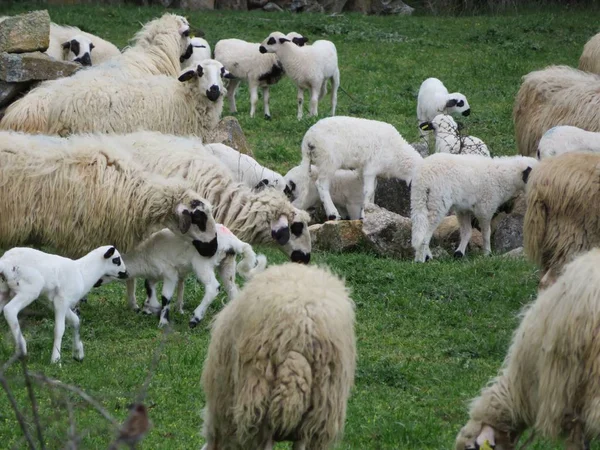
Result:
[[169, 285], [486, 233], [233, 84], [151, 305], [314, 100], [180, 289], [369, 180], [11, 312], [131, 300], [435, 218], [207, 277], [253, 87], [266, 96], [60, 312], [323, 188], [464, 220], [73, 320], [300, 98], [355, 211], [227, 275], [335, 84]]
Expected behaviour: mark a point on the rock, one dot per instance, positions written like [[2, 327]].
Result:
[[337, 235], [361, 6], [25, 32], [272, 7], [333, 6], [229, 132], [385, 7], [8, 91], [309, 6], [237, 5], [393, 194], [197, 5], [515, 253], [509, 234], [387, 233], [33, 66], [422, 148], [447, 236]]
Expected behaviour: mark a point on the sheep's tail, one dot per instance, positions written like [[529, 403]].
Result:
[[534, 225], [251, 264]]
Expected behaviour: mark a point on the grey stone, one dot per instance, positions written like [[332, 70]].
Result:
[[333, 6], [197, 5], [421, 147], [33, 66], [310, 6], [393, 194], [387, 7], [25, 33], [509, 234], [272, 7], [337, 235], [388, 234], [237, 5], [361, 6], [9, 91], [229, 132]]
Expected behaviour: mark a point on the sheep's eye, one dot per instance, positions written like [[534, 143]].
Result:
[[271, 41], [461, 103], [117, 260]]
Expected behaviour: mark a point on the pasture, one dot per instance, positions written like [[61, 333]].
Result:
[[429, 336]]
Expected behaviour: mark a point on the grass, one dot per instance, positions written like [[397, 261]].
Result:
[[430, 335]]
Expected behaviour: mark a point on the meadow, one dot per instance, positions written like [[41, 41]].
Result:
[[429, 336]]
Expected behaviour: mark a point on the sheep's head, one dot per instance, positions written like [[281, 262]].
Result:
[[273, 42], [209, 74], [185, 42], [78, 49], [476, 435], [297, 38], [111, 262], [442, 123], [457, 103], [294, 238], [196, 223], [200, 52]]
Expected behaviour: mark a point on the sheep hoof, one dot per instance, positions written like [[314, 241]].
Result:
[[427, 258], [78, 359], [333, 217], [267, 117], [76, 311], [195, 321], [163, 323], [458, 254]]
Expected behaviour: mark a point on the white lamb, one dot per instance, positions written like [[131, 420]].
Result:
[[200, 52], [370, 147], [346, 190], [309, 67], [26, 274], [246, 169], [448, 138], [72, 44], [565, 139], [471, 185]]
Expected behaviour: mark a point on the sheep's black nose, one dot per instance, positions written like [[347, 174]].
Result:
[[213, 93], [85, 60], [466, 112], [123, 275], [262, 49]]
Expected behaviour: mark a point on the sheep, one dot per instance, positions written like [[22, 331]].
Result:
[[246, 169], [245, 63], [309, 67], [346, 190], [549, 378], [471, 185], [370, 147], [560, 220], [556, 95], [281, 362], [565, 139], [590, 58], [200, 52], [26, 273], [448, 138], [191, 104], [72, 44], [76, 194]]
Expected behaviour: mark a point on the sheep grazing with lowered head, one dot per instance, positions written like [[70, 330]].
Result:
[[72, 44], [370, 147], [309, 67], [566, 139], [549, 379], [556, 95], [281, 362], [590, 57], [561, 220], [448, 138]]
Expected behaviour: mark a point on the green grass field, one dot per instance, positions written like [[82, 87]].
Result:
[[429, 336]]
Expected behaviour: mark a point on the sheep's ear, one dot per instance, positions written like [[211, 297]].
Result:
[[282, 40], [426, 126], [199, 70], [225, 74], [109, 253], [452, 102], [187, 75], [92, 46], [199, 218], [300, 41], [185, 221], [526, 173], [297, 228], [66, 45]]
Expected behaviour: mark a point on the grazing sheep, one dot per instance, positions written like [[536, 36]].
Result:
[[200, 52], [590, 58], [72, 44], [309, 67], [549, 378], [448, 138], [370, 147], [25, 274], [556, 95], [561, 219], [281, 362], [565, 139], [471, 185]]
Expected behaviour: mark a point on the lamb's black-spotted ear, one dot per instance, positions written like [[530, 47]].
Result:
[[226, 74], [282, 40], [426, 126], [67, 45], [185, 221], [271, 41], [526, 173], [109, 253], [452, 102], [261, 185], [199, 70], [300, 41], [186, 76], [297, 228]]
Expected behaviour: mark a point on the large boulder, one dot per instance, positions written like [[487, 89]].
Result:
[[393, 194], [388, 7], [25, 32], [509, 233], [447, 236], [229, 132], [387, 233], [197, 5], [337, 235], [18, 68], [238, 5]]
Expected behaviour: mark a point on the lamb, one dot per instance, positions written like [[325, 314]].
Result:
[[590, 58], [346, 190], [245, 63], [281, 362], [370, 147], [309, 67], [246, 169], [72, 44], [564, 139], [448, 138], [471, 185], [556, 95], [561, 220], [26, 273], [200, 52], [549, 379]]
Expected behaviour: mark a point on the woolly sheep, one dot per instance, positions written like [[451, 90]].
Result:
[[200, 52], [346, 190], [246, 169], [471, 185], [556, 95], [549, 380], [76, 194], [281, 362], [26, 273], [561, 219], [565, 139], [590, 58], [370, 147], [309, 67], [72, 44], [448, 138]]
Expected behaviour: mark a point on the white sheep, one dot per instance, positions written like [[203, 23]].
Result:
[[26, 274], [246, 169], [245, 63], [72, 44], [346, 190], [448, 138], [471, 185], [281, 362], [200, 52], [565, 139], [309, 67], [370, 147]]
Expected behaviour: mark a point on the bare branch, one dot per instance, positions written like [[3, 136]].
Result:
[[15, 407], [34, 405]]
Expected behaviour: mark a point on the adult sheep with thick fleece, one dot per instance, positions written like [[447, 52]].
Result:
[[370, 147], [590, 57], [309, 67], [549, 381], [281, 362], [556, 95], [449, 140], [72, 44], [471, 185], [566, 139]]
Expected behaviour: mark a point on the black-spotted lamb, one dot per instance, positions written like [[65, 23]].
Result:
[[449, 140], [72, 44]]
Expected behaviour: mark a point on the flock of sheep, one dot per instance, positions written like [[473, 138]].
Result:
[[120, 153]]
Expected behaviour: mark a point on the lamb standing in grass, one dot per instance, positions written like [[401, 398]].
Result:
[[566, 139], [549, 380], [309, 67], [281, 362], [370, 147], [26, 274], [471, 185], [448, 138]]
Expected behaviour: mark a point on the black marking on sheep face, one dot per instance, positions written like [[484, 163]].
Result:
[[261, 185], [199, 218], [185, 221], [213, 93], [526, 173], [98, 283], [282, 236], [271, 41], [206, 249], [300, 41], [282, 40], [117, 261], [186, 76], [148, 288], [85, 60], [297, 228], [458, 254], [123, 275], [273, 75], [188, 51], [109, 253], [186, 33], [72, 45], [298, 256], [460, 103], [451, 103], [263, 50]]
